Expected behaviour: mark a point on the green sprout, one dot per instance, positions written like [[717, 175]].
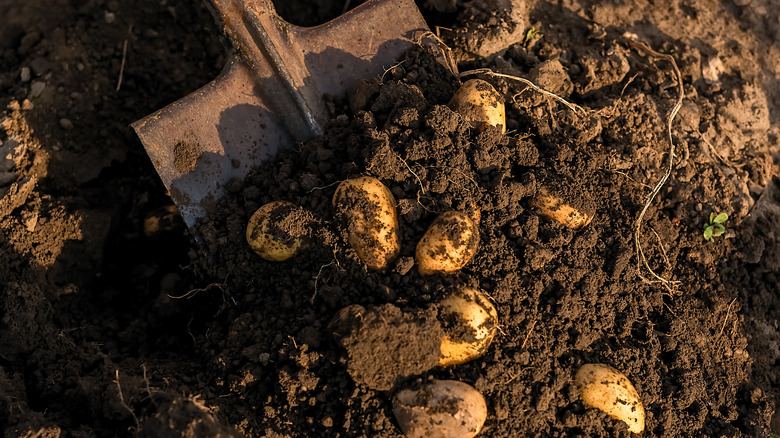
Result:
[[774, 435], [714, 227], [530, 35]]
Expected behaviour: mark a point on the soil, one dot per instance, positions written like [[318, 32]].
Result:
[[116, 322]]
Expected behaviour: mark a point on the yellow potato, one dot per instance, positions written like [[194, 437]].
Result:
[[479, 104], [275, 230], [607, 389], [571, 209], [441, 409], [450, 242], [470, 322], [367, 210]]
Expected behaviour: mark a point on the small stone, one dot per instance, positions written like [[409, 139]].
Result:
[[36, 89], [27, 105], [110, 17], [40, 66], [66, 123], [25, 74]]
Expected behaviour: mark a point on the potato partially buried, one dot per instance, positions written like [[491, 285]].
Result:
[[607, 389], [441, 409], [470, 322], [367, 210], [479, 104], [278, 230], [564, 202], [448, 244]]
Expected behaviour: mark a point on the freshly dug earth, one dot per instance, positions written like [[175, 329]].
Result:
[[108, 331]]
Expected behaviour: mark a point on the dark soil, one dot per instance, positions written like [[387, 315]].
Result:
[[115, 322]]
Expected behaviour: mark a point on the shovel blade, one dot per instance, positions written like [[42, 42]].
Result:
[[269, 95]]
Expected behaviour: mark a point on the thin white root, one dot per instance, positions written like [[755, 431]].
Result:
[[641, 258], [486, 71], [123, 403]]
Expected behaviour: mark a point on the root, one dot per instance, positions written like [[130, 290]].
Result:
[[317, 278], [419, 181], [627, 177], [148, 385], [382, 79], [444, 49], [486, 71], [641, 258], [325, 187], [661, 244], [124, 59], [728, 312], [123, 403], [530, 330]]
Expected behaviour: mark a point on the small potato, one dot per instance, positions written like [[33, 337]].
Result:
[[606, 388], [367, 210], [564, 203], [479, 104], [277, 230], [450, 242], [441, 409], [470, 322]]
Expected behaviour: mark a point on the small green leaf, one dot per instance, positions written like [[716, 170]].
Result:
[[712, 216], [719, 219], [708, 233], [718, 230]]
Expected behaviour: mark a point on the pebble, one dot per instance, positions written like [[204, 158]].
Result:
[[110, 17], [66, 123], [25, 74], [40, 66], [36, 89]]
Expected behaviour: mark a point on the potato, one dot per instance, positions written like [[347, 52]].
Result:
[[441, 409], [367, 210], [606, 388], [278, 230], [448, 244], [563, 202], [470, 322], [479, 104]]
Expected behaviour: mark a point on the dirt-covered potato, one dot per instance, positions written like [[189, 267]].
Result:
[[448, 244], [563, 202], [606, 388], [441, 409], [278, 230], [479, 104], [367, 210], [470, 322]]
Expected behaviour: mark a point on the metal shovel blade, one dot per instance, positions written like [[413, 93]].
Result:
[[270, 93]]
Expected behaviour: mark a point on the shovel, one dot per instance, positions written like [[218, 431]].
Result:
[[270, 93]]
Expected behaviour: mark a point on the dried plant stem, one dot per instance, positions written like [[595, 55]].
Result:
[[641, 258]]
